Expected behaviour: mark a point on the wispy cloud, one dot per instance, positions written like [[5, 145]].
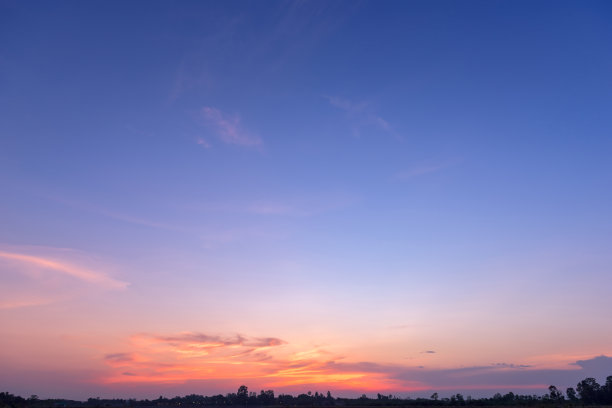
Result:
[[84, 274], [506, 365], [347, 105], [190, 341], [37, 276], [361, 115], [229, 128], [119, 358]]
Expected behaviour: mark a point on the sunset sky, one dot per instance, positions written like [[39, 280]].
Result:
[[401, 197]]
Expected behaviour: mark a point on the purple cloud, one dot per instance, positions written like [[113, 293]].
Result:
[[228, 128]]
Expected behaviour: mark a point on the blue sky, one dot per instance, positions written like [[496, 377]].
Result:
[[319, 172]]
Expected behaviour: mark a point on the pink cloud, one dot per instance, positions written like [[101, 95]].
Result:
[[229, 128], [38, 276], [81, 273]]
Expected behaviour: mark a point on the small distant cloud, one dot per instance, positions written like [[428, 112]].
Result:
[[506, 365], [119, 357], [361, 115], [203, 143], [347, 105], [202, 341], [428, 352], [266, 342], [229, 128]]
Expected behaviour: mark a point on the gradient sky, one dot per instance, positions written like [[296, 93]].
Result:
[[404, 197]]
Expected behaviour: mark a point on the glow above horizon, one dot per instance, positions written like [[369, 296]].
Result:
[[375, 197]]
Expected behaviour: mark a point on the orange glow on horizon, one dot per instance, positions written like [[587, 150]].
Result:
[[264, 363]]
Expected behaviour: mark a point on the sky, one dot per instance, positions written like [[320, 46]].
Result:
[[402, 197]]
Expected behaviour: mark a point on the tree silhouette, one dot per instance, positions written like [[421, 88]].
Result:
[[571, 394], [242, 396], [588, 390], [554, 393]]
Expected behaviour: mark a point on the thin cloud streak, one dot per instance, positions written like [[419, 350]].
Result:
[[5, 305], [201, 340], [80, 273], [229, 128]]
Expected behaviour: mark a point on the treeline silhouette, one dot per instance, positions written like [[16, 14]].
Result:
[[587, 392]]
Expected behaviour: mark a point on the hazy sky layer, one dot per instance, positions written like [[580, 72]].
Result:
[[390, 196]]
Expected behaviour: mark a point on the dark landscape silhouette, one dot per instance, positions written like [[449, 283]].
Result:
[[587, 392]]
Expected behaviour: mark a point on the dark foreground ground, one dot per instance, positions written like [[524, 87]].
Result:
[[117, 404]]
